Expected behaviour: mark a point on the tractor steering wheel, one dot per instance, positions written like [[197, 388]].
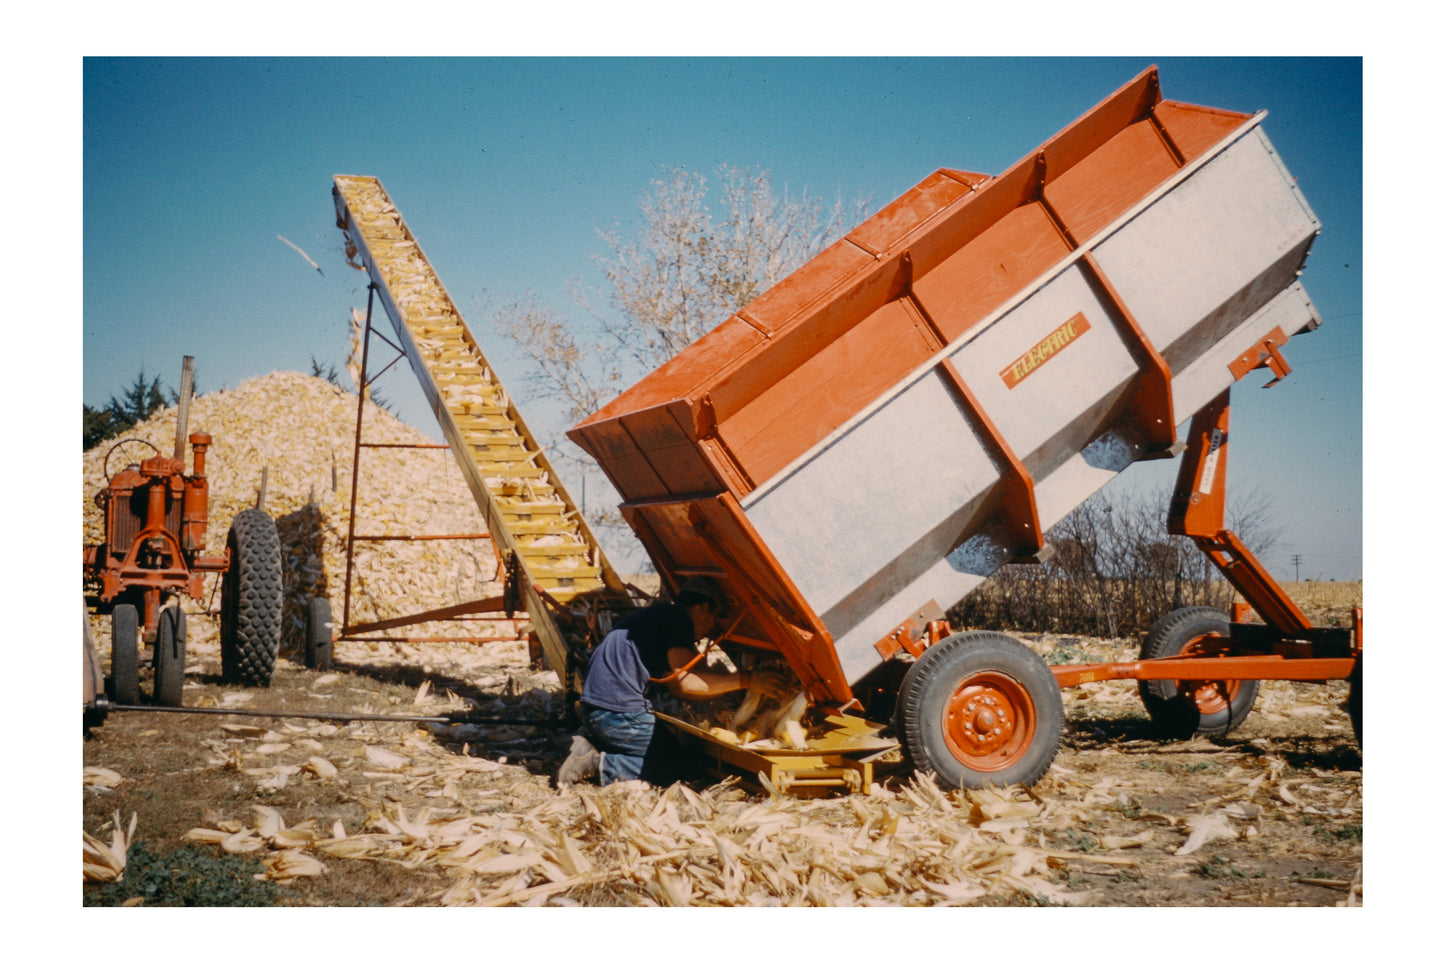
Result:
[[105, 466]]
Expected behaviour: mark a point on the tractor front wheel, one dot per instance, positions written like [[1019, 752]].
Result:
[[124, 661], [980, 709], [170, 656], [251, 600], [1185, 708]]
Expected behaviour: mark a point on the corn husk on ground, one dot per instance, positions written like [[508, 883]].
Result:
[[300, 429], [500, 841], [105, 862], [472, 812], [452, 803]]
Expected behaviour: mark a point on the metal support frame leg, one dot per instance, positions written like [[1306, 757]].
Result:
[[504, 606]]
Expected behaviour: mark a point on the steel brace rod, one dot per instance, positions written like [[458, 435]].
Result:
[[451, 718]]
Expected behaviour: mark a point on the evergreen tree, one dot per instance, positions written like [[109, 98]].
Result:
[[141, 400], [100, 424]]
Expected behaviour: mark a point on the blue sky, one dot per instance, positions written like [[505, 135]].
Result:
[[505, 169]]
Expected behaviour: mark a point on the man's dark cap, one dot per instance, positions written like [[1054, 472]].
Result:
[[700, 588]]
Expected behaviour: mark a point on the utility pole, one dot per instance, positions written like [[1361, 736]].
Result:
[[1296, 560]]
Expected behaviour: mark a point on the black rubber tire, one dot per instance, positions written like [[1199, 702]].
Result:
[[1201, 708], [170, 656], [969, 681], [251, 601], [318, 634], [124, 660]]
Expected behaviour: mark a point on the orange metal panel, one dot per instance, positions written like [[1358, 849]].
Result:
[[967, 219], [1102, 186], [981, 275], [754, 576], [1021, 183], [666, 435], [1087, 134], [814, 286], [685, 376], [1193, 129], [860, 364], [810, 330], [938, 192], [669, 526], [626, 465]]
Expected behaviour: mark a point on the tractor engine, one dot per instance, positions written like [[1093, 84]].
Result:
[[155, 530]]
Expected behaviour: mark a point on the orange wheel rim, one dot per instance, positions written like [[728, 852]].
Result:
[[1208, 697], [989, 721]]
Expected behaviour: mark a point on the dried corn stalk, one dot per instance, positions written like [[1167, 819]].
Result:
[[916, 846], [105, 863]]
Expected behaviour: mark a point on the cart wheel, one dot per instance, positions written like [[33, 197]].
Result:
[[980, 709], [1355, 703], [251, 600], [318, 634], [170, 658], [1182, 709], [124, 663]]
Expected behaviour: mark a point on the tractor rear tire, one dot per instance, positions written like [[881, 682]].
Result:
[[170, 656], [980, 709], [124, 661], [1184, 709], [251, 601], [318, 634]]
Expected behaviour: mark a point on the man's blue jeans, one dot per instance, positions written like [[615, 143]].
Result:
[[623, 738], [634, 746]]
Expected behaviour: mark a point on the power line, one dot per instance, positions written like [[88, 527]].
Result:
[[1333, 357]]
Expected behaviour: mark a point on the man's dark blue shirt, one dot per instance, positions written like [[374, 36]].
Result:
[[633, 653]]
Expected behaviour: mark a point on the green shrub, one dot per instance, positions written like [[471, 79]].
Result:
[[188, 876]]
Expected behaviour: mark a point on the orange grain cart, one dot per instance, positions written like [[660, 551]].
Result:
[[859, 448]]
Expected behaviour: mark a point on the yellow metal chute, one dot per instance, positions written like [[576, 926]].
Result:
[[539, 529]]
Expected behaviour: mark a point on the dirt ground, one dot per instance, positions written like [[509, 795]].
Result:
[[336, 813]]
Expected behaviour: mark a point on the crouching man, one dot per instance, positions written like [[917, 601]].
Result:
[[656, 645]]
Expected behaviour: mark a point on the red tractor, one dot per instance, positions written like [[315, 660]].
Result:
[[155, 536]]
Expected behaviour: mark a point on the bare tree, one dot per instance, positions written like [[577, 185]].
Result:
[[1115, 570], [569, 362], [670, 277]]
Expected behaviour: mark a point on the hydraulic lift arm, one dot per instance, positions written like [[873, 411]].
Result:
[[1286, 645], [1197, 511]]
